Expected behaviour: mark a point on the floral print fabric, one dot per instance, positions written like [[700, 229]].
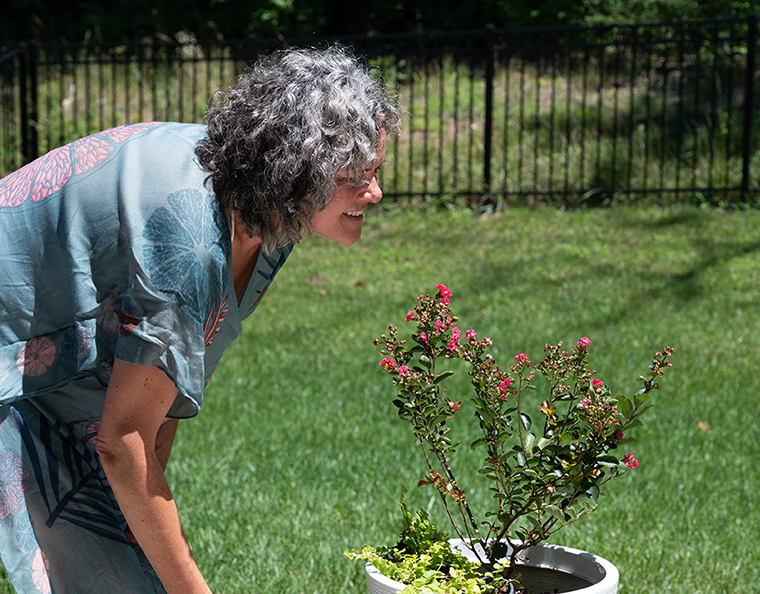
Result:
[[112, 247]]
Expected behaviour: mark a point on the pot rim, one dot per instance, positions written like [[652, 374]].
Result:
[[602, 573]]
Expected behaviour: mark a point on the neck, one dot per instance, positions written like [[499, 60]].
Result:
[[245, 253]]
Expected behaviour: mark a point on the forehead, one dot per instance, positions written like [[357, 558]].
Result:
[[381, 146]]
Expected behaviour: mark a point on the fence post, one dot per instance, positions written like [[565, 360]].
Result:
[[24, 123], [34, 57], [749, 88], [250, 49], [28, 100], [489, 49]]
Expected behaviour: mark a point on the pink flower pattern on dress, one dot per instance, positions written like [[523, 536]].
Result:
[[89, 151], [37, 355], [13, 480], [48, 174], [40, 567], [91, 435], [37, 180], [214, 321]]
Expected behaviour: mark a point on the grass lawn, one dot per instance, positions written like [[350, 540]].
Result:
[[298, 453]]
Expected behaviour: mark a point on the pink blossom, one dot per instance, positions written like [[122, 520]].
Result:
[[443, 292], [410, 315], [504, 384], [584, 342], [454, 342], [403, 370], [630, 461], [423, 337], [388, 364], [585, 402], [597, 383], [439, 326], [522, 357], [618, 435], [470, 335]]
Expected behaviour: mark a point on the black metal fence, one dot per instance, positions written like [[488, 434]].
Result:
[[573, 115]]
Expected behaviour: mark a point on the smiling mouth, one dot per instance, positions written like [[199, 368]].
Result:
[[356, 213]]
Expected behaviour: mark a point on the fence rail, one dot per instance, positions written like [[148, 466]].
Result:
[[567, 115]]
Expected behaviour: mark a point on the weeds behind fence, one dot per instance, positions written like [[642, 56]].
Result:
[[571, 116]]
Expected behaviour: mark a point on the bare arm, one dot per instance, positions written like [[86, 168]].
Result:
[[136, 404], [165, 440]]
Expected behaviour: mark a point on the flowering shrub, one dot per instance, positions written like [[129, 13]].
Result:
[[545, 458]]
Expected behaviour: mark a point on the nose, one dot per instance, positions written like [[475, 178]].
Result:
[[373, 193]]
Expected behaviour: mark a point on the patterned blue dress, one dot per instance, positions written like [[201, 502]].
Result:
[[110, 247]]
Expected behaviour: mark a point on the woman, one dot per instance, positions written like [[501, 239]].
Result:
[[130, 258]]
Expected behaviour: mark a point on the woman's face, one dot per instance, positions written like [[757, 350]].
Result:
[[341, 219]]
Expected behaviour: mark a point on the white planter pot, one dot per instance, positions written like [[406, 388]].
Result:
[[574, 572]]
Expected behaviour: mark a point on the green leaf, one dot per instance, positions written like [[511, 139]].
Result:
[[625, 406], [543, 442], [529, 441], [438, 420], [555, 512], [439, 378], [609, 461], [520, 459], [425, 360], [499, 550], [526, 421], [642, 397], [592, 492], [480, 403]]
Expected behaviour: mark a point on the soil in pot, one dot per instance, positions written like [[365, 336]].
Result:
[[543, 580]]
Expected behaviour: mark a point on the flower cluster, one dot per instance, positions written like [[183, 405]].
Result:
[[545, 458]]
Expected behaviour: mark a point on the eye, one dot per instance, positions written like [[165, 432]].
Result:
[[369, 174]]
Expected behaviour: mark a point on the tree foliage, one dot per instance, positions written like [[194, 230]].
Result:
[[54, 21]]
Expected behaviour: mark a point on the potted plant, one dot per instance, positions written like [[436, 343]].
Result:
[[544, 459]]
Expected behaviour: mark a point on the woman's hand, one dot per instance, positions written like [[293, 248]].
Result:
[[136, 404]]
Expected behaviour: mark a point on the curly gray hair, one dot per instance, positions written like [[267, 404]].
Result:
[[278, 137]]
